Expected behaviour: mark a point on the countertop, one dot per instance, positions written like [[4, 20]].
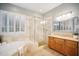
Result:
[[64, 37]]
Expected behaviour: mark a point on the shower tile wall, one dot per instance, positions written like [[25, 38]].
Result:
[[47, 27], [38, 30], [35, 29]]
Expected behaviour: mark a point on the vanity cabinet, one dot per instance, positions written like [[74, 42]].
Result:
[[78, 49], [51, 43], [70, 47], [59, 46], [64, 46]]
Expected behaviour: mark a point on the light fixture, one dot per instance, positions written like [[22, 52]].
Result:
[[59, 18], [64, 17], [69, 14]]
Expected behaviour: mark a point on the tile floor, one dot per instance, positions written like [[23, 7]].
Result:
[[44, 50]]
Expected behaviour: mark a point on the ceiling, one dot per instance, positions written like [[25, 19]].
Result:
[[38, 7]]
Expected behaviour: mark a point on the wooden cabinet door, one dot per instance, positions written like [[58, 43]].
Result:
[[64, 46], [60, 45], [78, 48], [70, 48], [51, 43], [70, 51]]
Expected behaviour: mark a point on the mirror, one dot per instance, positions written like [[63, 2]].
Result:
[[68, 25]]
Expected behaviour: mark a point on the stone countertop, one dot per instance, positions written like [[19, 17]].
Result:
[[64, 37]]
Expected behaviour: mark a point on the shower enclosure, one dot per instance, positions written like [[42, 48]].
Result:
[[36, 29]]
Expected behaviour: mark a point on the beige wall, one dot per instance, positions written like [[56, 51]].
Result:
[[34, 31], [60, 10], [30, 33], [10, 37]]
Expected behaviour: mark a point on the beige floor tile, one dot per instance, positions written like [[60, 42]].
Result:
[[44, 51]]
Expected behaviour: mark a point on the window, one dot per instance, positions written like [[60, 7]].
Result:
[[11, 22]]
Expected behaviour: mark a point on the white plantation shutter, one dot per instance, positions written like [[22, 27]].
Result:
[[11, 22]]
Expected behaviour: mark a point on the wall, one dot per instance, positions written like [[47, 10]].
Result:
[[60, 10], [30, 32], [14, 8], [35, 31]]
